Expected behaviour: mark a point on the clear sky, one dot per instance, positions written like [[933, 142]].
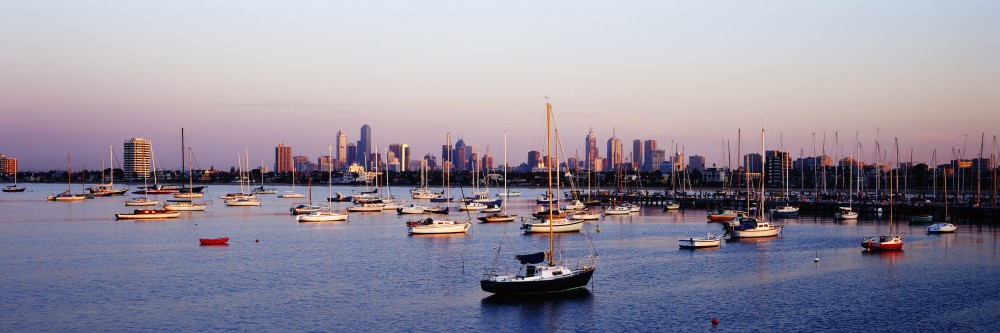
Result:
[[78, 76]]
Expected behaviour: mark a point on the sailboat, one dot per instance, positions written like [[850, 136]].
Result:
[[943, 227], [848, 213], [502, 216], [554, 221], [104, 190], [143, 201], [291, 194], [786, 210], [187, 205], [534, 278], [242, 198], [755, 227], [68, 195], [13, 188], [891, 241], [328, 214]]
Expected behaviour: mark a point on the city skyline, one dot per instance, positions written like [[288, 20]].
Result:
[[247, 76]]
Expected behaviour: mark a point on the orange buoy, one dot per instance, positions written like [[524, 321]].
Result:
[[715, 320]]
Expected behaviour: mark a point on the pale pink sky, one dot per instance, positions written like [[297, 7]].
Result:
[[77, 77]]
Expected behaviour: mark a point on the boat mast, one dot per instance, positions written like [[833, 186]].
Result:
[[329, 178], [548, 141], [69, 175], [761, 173], [505, 191]]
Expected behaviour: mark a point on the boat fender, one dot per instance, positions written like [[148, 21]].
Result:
[[715, 320]]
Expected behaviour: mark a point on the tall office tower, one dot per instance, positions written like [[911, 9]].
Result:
[[615, 153], [776, 165], [461, 155], [637, 154], [283, 159], [136, 160], [341, 153], [352, 154], [657, 160], [647, 164], [365, 145], [591, 149]]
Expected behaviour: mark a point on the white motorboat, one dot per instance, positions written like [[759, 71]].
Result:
[[575, 205], [694, 243], [618, 210], [941, 228], [245, 201], [412, 209], [368, 207], [472, 206], [672, 205]]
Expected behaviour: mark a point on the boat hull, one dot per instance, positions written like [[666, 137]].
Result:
[[183, 207], [543, 227], [697, 243], [873, 245], [13, 189], [941, 228], [755, 233], [214, 241], [498, 218], [140, 214], [575, 280], [322, 217], [440, 229]]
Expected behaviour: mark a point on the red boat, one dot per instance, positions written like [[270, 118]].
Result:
[[214, 241], [883, 243]]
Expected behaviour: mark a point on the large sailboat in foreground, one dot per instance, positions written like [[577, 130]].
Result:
[[535, 277], [893, 241]]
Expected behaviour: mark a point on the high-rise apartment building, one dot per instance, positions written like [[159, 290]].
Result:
[[8, 165], [283, 159], [352, 154], [136, 160]]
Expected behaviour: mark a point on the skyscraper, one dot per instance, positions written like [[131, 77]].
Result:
[[534, 158], [648, 165], [341, 153], [637, 154], [365, 145], [591, 147], [283, 159], [8, 165], [614, 153], [352, 154], [136, 159]]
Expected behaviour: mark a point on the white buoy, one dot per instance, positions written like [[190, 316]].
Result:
[[817, 257]]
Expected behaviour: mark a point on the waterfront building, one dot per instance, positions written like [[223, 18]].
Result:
[[751, 162], [325, 163], [777, 164], [657, 157], [696, 162], [8, 165], [461, 155], [303, 164], [487, 162], [136, 158], [283, 159], [534, 159]]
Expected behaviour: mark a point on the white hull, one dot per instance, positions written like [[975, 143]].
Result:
[[846, 216], [69, 198], [366, 208], [322, 217], [242, 203], [188, 195], [755, 233], [440, 228], [585, 216], [559, 225], [692, 243], [142, 203], [185, 207], [292, 196], [942, 227], [618, 210]]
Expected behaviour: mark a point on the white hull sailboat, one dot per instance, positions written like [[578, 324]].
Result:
[[433, 226]]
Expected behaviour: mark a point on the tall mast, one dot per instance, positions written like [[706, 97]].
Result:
[[329, 178], [548, 141], [761, 173], [506, 193], [182, 150]]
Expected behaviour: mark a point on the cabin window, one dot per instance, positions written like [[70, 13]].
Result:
[[556, 273], [530, 271]]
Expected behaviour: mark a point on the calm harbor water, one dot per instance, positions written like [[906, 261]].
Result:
[[71, 267]]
